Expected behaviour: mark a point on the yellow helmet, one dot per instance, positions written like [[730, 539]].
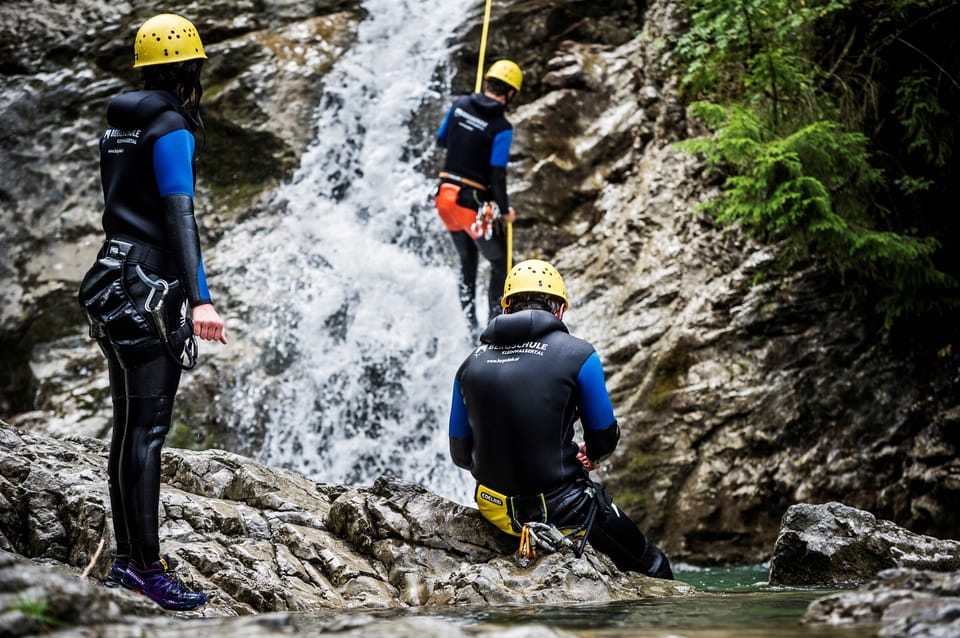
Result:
[[534, 275], [166, 38], [507, 71]]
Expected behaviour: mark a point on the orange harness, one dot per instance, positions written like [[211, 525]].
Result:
[[477, 223]]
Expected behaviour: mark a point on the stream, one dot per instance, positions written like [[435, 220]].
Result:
[[731, 602]]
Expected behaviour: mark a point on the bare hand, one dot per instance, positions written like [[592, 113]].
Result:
[[511, 215], [587, 464], [207, 324]]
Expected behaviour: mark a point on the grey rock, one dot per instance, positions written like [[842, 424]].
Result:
[[902, 602], [259, 540], [833, 544]]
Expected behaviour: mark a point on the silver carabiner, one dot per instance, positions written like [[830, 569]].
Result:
[[157, 311]]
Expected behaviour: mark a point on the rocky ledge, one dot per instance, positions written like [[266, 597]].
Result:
[[259, 540], [264, 542]]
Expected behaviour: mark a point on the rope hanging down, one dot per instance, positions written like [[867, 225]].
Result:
[[477, 86], [483, 46]]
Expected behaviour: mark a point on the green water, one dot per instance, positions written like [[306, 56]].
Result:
[[732, 603]]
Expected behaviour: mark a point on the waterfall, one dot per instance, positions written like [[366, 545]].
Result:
[[348, 286]]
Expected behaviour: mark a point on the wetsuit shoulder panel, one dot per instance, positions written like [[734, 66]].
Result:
[[173, 163]]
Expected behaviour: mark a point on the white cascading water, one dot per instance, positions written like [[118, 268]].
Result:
[[350, 290]]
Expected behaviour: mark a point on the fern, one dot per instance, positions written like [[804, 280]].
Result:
[[776, 89]]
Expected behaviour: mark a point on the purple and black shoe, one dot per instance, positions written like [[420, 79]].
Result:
[[116, 574], [156, 583]]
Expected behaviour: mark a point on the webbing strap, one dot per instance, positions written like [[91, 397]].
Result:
[[462, 180]]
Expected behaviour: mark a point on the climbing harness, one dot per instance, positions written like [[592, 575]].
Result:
[[156, 312], [477, 222], [552, 539], [502, 511]]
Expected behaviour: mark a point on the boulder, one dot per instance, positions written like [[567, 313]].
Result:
[[904, 601], [834, 544]]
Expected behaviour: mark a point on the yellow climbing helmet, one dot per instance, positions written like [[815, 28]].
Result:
[[534, 275], [166, 38], [507, 71]]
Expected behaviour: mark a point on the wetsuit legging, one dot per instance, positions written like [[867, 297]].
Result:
[[142, 410], [619, 538], [494, 250]]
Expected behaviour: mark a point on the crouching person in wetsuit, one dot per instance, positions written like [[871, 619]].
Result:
[[515, 401], [148, 271]]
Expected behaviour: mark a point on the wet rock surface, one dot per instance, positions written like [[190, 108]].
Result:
[[260, 540], [900, 602], [833, 544]]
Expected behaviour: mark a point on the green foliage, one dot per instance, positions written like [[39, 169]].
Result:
[[39, 612], [794, 93], [929, 127]]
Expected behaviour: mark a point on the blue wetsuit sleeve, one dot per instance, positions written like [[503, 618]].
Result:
[[173, 170], [500, 151], [596, 411], [499, 154], [442, 131], [173, 163], [461, 436], [600, 430]]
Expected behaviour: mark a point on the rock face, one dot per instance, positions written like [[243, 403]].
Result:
[[741, 390], [834, 544], [261, 539]]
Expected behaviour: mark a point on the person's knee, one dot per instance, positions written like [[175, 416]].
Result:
[[655, 562]]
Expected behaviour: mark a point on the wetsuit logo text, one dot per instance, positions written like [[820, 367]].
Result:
[[469, 121]]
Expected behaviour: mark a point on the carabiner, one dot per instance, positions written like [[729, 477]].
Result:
[[157, 311]]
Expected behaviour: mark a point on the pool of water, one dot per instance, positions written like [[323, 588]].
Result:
[[731, 603]]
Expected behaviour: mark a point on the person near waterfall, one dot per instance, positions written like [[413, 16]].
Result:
[[515, 402], [148, 271], [477, 138]]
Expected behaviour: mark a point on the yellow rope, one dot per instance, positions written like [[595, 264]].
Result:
[[509, 246], [483, 46], [476, 89]]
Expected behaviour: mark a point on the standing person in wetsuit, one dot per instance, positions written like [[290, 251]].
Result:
[[515, 401], [477, 139], [148, 271]]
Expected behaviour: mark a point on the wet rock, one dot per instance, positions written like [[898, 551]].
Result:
[[903, 602], [259, 539], [834, 544]]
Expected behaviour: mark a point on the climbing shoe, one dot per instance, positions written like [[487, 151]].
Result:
[[157, 584], [115, 575]]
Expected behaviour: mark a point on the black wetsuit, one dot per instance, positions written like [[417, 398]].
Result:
[[515, 401], [477, 137], [152, 241]]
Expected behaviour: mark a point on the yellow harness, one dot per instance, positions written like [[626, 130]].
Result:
[[500, 510]]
